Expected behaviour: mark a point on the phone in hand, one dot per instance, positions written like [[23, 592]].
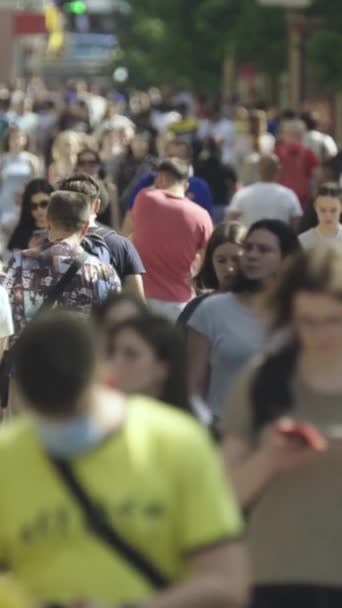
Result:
[[303, 432]]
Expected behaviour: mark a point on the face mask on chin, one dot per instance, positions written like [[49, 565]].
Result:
[[68, 438]]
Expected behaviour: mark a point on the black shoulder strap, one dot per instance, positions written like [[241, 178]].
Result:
[[99, 525], [56, 290]]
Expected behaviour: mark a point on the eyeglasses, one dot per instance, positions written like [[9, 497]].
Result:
[[40, 205], [329, 191]]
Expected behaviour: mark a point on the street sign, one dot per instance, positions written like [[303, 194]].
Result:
[[286, 3]]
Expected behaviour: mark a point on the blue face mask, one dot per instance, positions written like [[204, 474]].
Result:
[[67, 439]]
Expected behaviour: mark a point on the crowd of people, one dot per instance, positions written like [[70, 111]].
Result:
[[171, 352]]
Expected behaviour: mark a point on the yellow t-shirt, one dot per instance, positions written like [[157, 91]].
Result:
[[158, 479]]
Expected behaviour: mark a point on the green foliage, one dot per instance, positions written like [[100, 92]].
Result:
[[324, 45], [184, 41]]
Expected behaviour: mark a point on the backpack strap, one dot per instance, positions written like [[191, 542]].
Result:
[[56, 291], [98, 523], [102, 231]]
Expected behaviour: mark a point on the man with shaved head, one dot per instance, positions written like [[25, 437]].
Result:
[[266, 198]]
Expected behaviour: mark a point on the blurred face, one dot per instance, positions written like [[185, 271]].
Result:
[[328, 209], [17, 141], [39, 204], [317, 319], [225, 259], [139, 146], [177, 150], [134, 367], [88, 164], [262, 255]]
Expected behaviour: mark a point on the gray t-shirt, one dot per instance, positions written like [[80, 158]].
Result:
[[313, 238], [235, 334]]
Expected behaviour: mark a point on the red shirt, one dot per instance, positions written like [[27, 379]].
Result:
[[168, 232], [297, 165]]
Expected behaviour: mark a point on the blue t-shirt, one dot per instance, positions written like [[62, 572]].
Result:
[[199, 191]]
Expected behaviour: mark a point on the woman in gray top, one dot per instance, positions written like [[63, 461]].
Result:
[[328, 209], [227, 329]]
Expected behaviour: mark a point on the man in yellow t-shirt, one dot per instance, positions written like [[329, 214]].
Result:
[[152, 470]]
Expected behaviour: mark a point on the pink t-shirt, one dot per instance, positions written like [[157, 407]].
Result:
[[168, 232]]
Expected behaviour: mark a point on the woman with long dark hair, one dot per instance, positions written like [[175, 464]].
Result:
[[146, 355], [283, 440], [33, 214], [220, 262], [227, 329]]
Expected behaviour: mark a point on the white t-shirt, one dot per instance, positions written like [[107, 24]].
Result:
[[313, 238], [6, 321], [265, 200]]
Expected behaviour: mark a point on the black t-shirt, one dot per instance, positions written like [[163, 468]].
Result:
[[127, 260]]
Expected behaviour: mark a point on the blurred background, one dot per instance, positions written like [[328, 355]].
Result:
[[284, 53]]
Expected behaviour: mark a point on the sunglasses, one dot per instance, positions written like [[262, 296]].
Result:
[[41, 205], [329, 191]]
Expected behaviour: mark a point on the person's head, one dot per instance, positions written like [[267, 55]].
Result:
[[54, 382], [267, 244], [293, 131], [85, 184], [89, 162], [146, 355], [223, 251], [308, 300], [328, 205], [116, 308], [140, 144], [34, 204], [177, 148], [268, 167], [16, 141], [68, 215], [311, 120], [66, 145], [172, 172]]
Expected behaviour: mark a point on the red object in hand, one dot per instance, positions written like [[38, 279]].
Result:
[[306, 432]]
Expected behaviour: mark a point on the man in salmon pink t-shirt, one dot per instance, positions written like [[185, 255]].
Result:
[[169, 231]]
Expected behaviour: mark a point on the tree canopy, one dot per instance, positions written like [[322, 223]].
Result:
[[184, 41], [325, 42]]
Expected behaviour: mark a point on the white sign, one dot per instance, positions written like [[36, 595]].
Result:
[[286, 3]]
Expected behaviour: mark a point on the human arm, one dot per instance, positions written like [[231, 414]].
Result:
[[218, 578], [254, 459], [234, 211], [36, 164], [198, 351], [295, 211], [133, 283]]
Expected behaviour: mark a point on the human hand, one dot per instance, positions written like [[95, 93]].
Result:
[[283, 450]]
